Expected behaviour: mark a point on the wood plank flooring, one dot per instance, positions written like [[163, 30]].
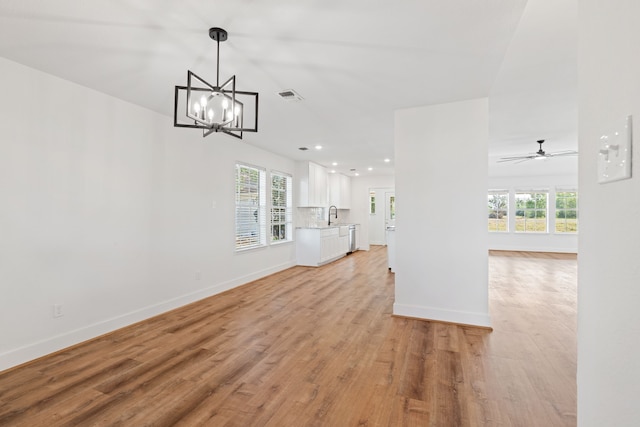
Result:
[[319, 347]]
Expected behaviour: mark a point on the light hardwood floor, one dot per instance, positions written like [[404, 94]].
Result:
[[319, 347]]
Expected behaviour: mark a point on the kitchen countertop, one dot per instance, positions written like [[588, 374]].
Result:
[[313, 227]]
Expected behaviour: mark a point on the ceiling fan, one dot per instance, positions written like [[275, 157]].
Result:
[[540, 154]]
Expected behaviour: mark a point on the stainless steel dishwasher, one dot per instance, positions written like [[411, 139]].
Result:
[[353, 236]]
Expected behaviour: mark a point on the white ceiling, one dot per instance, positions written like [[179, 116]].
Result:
[[353, 61]]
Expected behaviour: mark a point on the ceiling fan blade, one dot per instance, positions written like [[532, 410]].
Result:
[[517, 159], [540, 154], [524, 160], [563, 153]]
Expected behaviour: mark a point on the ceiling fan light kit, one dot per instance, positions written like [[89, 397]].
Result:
[[538, 155], [215, 108]]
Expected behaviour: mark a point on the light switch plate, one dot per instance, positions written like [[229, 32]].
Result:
[[614, 153]]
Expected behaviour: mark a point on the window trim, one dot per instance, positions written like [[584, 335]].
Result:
[[555, 213], [288, 208], [372, 202], [547, 193], [260, 208], [507, 216]]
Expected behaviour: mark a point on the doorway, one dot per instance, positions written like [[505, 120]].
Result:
[[381, 214]]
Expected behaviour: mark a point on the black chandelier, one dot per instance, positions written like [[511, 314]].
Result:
[[219, 108]]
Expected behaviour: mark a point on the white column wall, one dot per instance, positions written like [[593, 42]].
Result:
[[441, 231], [111, 212], [609, 244]]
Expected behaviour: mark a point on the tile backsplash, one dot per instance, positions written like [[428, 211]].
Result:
[[314, 217]]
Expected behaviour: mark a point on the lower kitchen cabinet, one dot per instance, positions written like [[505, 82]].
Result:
[[318, 246]]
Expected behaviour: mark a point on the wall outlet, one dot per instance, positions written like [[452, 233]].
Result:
[[57, 310]]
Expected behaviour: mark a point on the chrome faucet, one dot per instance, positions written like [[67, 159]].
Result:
[[332, 206]]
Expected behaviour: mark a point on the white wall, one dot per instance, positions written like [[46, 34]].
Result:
[[110, 211], [441, 231], [542, 242], [359, 213], [609, 246]]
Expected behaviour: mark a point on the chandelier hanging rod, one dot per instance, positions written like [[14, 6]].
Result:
[[219, 35]]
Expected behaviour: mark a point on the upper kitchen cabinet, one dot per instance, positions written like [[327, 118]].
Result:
[[312, 185], [340, 191]]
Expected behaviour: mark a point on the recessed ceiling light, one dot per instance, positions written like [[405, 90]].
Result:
[[369, 168], [318, 147], [357, 174], [387, 160], [334, 164], [333, 171]]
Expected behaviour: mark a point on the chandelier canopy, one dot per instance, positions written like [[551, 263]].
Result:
[[215, 108]]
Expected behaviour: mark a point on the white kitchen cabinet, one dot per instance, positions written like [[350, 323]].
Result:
[[340, 191], [312, 185], [317, 246]]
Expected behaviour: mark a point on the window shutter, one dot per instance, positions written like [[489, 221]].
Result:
[[281, 207], [250, 207]]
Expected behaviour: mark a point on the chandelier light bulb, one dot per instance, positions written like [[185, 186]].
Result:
[[210, 114], [203, 101]]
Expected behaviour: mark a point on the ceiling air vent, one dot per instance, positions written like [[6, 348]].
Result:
[[289, 95]]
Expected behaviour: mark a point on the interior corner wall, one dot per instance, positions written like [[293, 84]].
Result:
[[608, 268], [441, 231], [110, 212]]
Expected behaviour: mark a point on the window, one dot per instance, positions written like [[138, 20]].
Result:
[[531, 211], [498, 210], [566, 211], [372, 202], [281, 208], [392, 207], [250, 207]]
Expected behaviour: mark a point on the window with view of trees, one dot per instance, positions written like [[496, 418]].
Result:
[[281, 208], [498, 209], [372, 202], [250, 207], [392, 207], [566, 212], [531, 211]]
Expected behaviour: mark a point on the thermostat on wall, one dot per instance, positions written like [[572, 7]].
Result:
[[614, 155]]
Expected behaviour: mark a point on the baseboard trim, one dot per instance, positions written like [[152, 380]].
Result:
[[463, 318], [23, 355], [532, 249]]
